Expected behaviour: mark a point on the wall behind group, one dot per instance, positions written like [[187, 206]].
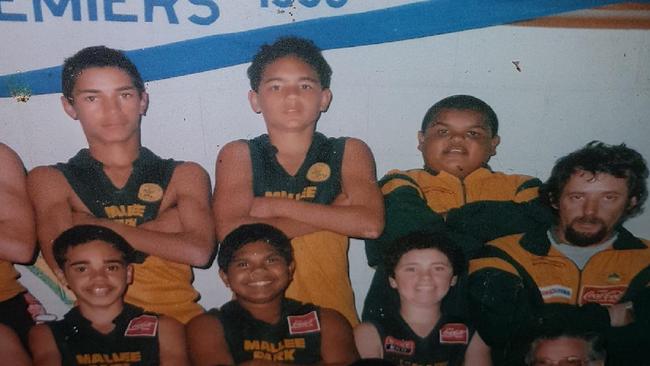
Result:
[[553, 89]]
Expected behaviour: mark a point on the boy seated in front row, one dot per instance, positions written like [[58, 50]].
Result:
[[458, 136], [262, 325], [319, 191], [422, 268], [96, 266]]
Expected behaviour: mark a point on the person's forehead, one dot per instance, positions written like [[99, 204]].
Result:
[[466, 118], [424, 255], [255, 248], [92, 74], [94, 247], [582, 180], [562, 347], [288, 63]]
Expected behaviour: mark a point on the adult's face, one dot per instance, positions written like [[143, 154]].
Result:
[[590, 206]]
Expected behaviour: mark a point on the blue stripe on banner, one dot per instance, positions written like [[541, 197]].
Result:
[[416, 20]]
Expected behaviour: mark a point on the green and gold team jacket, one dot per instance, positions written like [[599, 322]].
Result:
[[521, 287], [421, 199]]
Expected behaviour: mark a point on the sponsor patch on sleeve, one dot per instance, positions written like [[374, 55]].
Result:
[[301, 324], [556, 291], [142, 326], [603, 295], [399, 346], [454, 333]]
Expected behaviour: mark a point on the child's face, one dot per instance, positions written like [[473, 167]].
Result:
[[258, 273], [107, 105], [458, 142], [96, 273], [290, 96], [423, 277]]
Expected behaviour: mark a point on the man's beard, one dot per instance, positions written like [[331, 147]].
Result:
[[582, 239]]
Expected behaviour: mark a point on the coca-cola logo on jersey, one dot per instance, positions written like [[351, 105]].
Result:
[[142, 326], [603, 295], [454, 333], [300, 324]]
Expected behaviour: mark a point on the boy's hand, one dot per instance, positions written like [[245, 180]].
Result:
[[342, 200], [621, 315], [167, 222]]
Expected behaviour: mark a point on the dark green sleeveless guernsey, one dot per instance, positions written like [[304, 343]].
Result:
[[445, 345], [134, 204], [296, 338], [133, 341], [159, 285], [318, 179]]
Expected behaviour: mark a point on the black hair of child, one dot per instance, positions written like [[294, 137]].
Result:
[[462, 102], [96, 56], [251, 233], [301, 48], [424, 240], [83, 234]]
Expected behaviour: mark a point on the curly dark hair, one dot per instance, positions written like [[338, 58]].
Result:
[[301, 48], [97, 56], [424, 240], [83, 234], [599, 157], [251, 233], [462, 102]]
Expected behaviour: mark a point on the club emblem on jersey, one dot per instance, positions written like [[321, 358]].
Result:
[[319, 172], [150, 192], [614, 278], [142, 326], [301, 324], [399, 346], [451, 333]]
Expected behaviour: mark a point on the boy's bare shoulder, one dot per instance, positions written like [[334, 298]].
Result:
[[234, 148], [46, 176]]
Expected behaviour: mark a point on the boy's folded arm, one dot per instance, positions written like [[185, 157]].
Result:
[[358, 211], [190, 192], [233, 197]]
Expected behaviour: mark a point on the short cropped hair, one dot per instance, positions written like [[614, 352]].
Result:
[[462, 103], [83, 234], [424, 240], [251, 233], [599, 157], [97, 56], [301, 48], [595, 345]]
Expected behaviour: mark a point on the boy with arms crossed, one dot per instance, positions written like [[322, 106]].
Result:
[[160, 206], [317, 190], [459, 135], [422, 268], [101, 328], [262, 326]]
